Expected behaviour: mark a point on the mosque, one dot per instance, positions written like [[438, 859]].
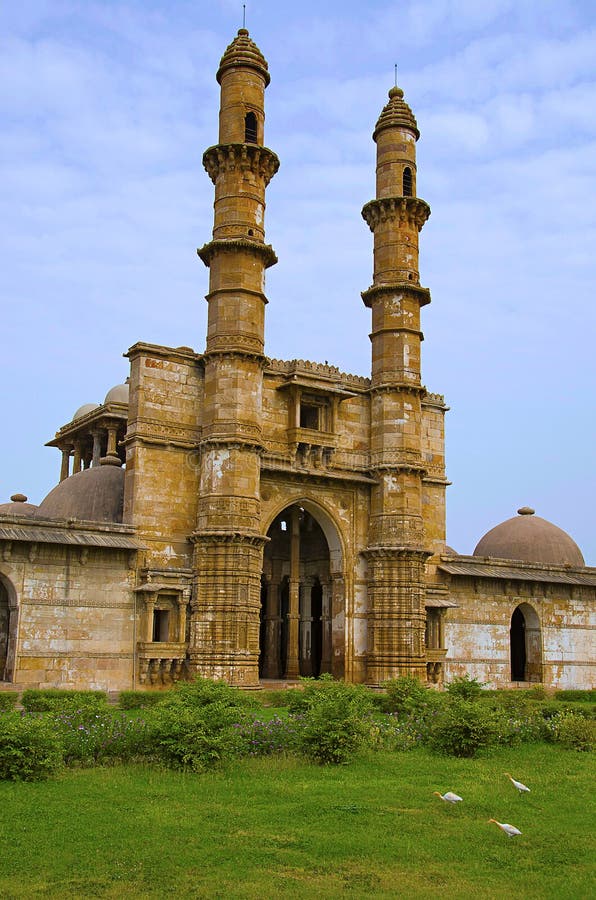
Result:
[[256, 520]]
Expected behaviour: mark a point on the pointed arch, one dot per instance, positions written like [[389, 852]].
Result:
[[525, 644], [303, 594], [8, 628]]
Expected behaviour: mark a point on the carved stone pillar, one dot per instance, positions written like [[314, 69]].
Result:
[[305, 644], [325, 627], [149, 608], [96, 448], [76, 462], [181, 600], [65, 467], [293, 663], [271, 665]]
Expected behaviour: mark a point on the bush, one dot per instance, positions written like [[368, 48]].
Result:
[[53, 699], [334, 720], [139, 699], [90, 736], [204, 692], [580, 696], [30, 749], [8, 699], [463, 727], [572, 731], [465, 687], [196, 737], [406, 695]]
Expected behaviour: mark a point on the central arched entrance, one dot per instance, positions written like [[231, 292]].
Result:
[[525, 644], [298, 592]]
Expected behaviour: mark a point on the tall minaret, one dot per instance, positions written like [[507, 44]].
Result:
[[396, 550], [224, 641]]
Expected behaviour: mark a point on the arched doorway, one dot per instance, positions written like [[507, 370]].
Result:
[[525, 644], [301, 589], [8, 620]]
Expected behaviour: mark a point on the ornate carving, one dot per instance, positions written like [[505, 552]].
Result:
[[265, 251], [411, 211], [261, 161]]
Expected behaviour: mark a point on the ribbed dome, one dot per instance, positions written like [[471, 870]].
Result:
[[93, 495], [84, 409], [396, 114], [18, 507], [243, 52], [118, 394], [529, 538]]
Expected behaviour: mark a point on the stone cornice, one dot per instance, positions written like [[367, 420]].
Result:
[[233, 245], [246, 157], [229, 537], [377, 290], [310, 369], [173, 354], [389, 552], [388, 387], [397, 467], [219, 347], [410, 211]]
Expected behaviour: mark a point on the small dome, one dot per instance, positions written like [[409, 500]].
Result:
[[93, 495], [396, 114], [84, 409], [18, 507], [118, 394], [243, 52], [529, 538]]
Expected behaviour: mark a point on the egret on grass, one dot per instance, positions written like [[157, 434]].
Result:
[[449, 797], [517, 784], [510, 830]]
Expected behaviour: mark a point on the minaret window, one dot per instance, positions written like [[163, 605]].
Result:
[[407, 182], [250, 128]]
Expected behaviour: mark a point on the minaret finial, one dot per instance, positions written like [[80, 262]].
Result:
[[244, 15], [395, 67]]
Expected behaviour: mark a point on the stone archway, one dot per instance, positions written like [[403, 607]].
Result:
[[8, 628], [525, 644], [302, 593]]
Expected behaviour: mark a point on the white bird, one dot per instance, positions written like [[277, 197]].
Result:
[[449, 797], [510, 830], [517, 784]]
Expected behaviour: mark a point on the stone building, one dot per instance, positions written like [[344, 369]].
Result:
[[246, 518]]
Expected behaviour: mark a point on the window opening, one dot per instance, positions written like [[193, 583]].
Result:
[[250, 128], [309, 417], [407, 182], [161, 625]]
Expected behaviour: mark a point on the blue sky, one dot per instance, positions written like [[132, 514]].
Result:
[[105, 110]]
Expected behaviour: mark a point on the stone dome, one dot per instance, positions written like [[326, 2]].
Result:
[[243, 52], [529, 538], [84, 409], [18, 507], [118, 394], [93, 495], [396, 114]]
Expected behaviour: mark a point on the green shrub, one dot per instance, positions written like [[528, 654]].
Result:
[[204, 692], [196, 737], [406, 694], [8, 699], [139, 699], [465, 687], [95, 735], [573, 731], [463, 727], [52, 699], [334, 720], [30, 749], [580, 696]]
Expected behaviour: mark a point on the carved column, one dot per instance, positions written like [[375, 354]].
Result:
[[272, 628], [64, 468]]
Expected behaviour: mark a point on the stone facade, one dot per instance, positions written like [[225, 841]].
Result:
[[280, 518]]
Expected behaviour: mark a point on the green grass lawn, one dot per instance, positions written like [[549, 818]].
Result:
[[266, 828]]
